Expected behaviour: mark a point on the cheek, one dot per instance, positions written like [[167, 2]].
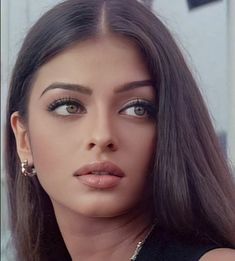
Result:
[[52, 159], [58, 151], [142, 142], [48, 147], [55, 146]]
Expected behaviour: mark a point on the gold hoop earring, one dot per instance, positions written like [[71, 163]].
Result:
[[26, 170]]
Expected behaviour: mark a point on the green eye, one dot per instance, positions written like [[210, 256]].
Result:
[[140, 111], [66, 106], [139, 108], [67, 109], [136, 111], [72, 108]]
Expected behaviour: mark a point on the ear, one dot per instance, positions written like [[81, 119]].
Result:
[[22, 138]]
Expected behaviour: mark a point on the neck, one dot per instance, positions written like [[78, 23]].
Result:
[[103, 238]]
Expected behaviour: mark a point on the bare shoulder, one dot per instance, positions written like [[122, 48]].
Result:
[[225, 254]]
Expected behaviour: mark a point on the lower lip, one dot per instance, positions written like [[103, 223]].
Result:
[[100, 181]]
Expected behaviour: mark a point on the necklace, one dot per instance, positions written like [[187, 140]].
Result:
[[140, 245]]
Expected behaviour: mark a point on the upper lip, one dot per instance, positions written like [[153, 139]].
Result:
[[102, 166]]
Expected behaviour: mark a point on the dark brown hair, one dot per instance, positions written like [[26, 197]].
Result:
[[193, 188]]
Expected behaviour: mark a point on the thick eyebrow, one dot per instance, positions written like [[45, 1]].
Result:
[[133, 85], [68, 86], [86, 90]]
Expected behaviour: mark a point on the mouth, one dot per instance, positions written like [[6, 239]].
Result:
[[100, 175]]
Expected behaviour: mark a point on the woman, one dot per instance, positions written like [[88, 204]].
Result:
[[111, 154]]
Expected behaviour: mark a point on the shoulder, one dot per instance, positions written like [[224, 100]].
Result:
[[225, 254]]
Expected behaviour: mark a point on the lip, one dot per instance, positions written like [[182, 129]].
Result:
[[88, 175], [102, 166]]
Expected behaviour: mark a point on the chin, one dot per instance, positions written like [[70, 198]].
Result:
[[98, 206], [110, 210], [104, 211]]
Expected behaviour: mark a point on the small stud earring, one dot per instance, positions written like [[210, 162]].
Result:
[[26, 170]]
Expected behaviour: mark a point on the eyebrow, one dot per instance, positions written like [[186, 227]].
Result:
[[133, 85], [86, 90], [68, 86]]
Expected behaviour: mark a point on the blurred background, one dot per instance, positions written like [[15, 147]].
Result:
[[205, 31]]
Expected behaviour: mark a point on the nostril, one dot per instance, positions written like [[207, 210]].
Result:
[[111, 146], [91, 145]]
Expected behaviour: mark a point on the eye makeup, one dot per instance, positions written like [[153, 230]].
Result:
[[142, 108], [137, 107], [71, 105]]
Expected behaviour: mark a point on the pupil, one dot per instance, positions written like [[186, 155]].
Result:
[[72, 108], [139, 111]]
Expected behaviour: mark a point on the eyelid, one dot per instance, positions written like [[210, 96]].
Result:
[[138, 101], [149, 106], [64, 101]]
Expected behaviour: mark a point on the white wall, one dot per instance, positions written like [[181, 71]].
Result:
[[203, 34], [231, 80], [207, 35]]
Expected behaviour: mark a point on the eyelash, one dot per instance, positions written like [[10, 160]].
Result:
[[148, 106], [65, 101]]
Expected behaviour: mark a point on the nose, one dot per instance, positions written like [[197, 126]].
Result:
[[101, 136]]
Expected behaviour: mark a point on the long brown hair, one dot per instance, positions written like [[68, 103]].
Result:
[[193, 188]]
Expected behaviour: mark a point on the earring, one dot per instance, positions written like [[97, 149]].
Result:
[[26, 170]]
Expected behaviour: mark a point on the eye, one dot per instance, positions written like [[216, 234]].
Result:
[[136, 111], [139, 108], [66, 106]]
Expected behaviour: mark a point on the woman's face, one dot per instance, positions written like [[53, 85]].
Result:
[[92, 104]]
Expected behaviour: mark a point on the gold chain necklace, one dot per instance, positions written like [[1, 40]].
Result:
[[140, 245]]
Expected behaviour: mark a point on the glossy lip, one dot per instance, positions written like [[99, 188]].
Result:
[[102, 166]]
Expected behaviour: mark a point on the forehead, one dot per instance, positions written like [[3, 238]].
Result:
[[102, 61]]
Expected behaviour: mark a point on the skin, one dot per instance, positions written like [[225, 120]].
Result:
[[96, 224], [60, 144], [219, 255]]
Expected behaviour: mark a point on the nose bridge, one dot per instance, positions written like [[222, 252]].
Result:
[[101, 130], [102, 125]]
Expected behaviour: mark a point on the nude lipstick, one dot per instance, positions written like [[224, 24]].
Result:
[[100, 175]]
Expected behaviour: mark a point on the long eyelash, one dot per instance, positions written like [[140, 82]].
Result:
[[63, 101], [149, 106]]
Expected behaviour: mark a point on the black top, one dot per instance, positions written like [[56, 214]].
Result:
[[161, 247]]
